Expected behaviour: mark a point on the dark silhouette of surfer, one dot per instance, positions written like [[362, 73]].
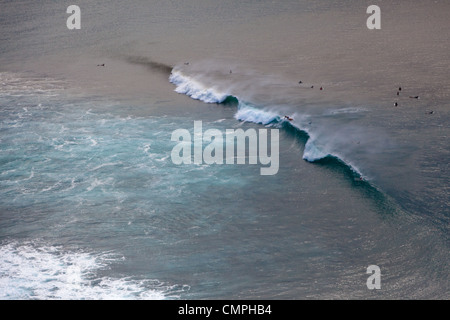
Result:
[[101, 65], [414, 97], [288, 118], [396, 104]]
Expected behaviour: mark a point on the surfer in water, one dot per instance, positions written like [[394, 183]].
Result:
[[288, 118]]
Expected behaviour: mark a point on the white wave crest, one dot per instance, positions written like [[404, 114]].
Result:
[[195, 89], [250, 114]]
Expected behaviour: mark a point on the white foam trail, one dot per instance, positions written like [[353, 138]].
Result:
[[105, 165], [31, 175], [28, 271], [97, 183], [21, 85], [93, 142], [347, 110]]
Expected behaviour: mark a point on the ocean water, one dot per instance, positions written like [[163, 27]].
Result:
[[93, 207]]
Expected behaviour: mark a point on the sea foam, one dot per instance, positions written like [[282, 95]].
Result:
[[31, 271]]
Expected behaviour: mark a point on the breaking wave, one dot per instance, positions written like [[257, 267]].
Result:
[[247, 112], [315, 151], [196, 90]]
